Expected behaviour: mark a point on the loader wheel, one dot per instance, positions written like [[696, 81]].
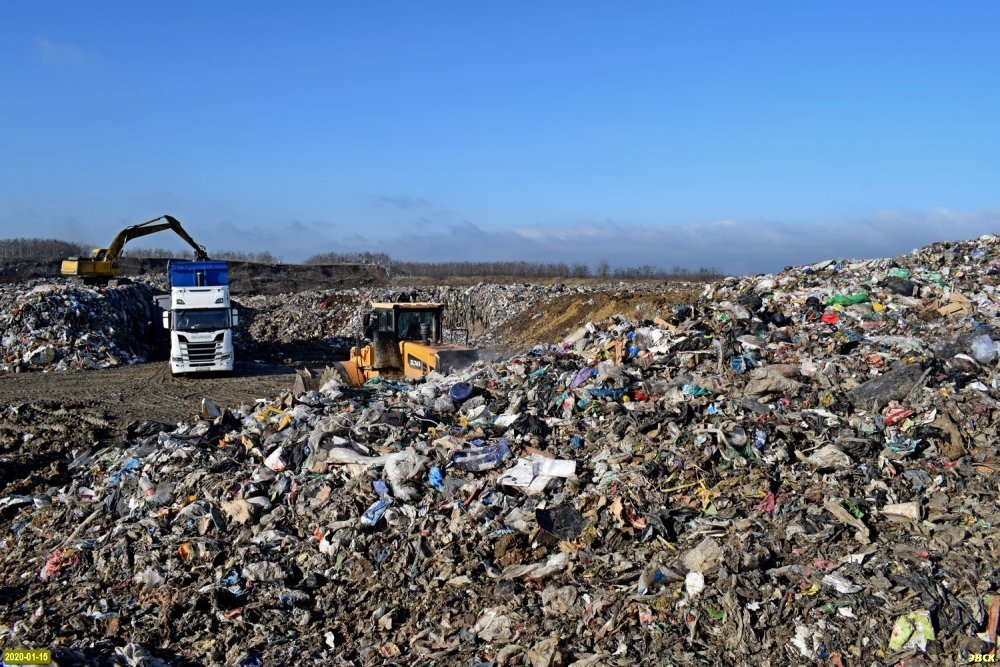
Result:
[[337, 372], [348, 373]]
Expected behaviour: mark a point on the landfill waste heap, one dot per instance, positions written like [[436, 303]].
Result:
[[64, 326], [334, 317], [796, 468], [48, 326]]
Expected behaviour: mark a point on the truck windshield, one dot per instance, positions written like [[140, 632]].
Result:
[[209, 319]]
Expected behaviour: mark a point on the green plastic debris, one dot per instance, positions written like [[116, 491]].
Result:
[[933, 278], [899, 272], [847, 299], [912, 630], [854, 508], [716, 614]]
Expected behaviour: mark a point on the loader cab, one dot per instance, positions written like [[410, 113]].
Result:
[[405, 321], [407, 340], [388, 324]]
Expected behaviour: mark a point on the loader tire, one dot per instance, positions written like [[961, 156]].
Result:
[[347, 372]]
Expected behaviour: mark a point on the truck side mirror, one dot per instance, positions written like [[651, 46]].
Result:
[[235, 315], [166, 320], [366, 320]]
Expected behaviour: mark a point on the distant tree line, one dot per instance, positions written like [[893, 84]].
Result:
[[48, 249], [522, 269], [365, 257], [229, 255], [150, 253], [516, 269], [55, 249], [41, 249]]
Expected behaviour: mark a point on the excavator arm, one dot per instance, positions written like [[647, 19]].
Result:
[[114, 251], [102, 266]]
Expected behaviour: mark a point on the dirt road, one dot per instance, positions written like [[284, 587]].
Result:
[[144, 391]]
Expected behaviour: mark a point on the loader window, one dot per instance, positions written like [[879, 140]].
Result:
[[384, 320], [410, 321], [208, 319]]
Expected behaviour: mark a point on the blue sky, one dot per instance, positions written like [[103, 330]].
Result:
[[746, 136]]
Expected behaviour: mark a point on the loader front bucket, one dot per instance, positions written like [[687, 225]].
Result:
[[346, 372]]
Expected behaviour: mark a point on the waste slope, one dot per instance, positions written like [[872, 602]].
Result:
[[59, 326]]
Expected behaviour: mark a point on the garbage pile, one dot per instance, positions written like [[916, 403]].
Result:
[[278, 326], [796, 468], [334, 317], [77, 327], [48, 326]]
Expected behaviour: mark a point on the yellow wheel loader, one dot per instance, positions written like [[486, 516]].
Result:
[[103, 264], [407, 340]]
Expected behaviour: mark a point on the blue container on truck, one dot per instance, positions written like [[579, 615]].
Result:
[[198, 273]]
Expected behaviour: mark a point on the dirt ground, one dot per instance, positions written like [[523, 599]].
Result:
[[554, 320], [144, 391], [43, 416]]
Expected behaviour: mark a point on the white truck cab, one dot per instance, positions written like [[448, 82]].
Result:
[[199, 318]]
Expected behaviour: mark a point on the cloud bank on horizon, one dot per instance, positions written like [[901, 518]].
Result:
[[429, 234], [733, 246]]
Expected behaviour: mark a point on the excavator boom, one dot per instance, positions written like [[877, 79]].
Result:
[[104, 264], [113, 252]]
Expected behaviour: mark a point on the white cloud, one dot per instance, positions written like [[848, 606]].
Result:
[[403, 202], [59, 53], [562, 233]]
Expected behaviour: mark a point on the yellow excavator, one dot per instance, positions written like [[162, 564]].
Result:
[[103, 264], [407, 340]]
